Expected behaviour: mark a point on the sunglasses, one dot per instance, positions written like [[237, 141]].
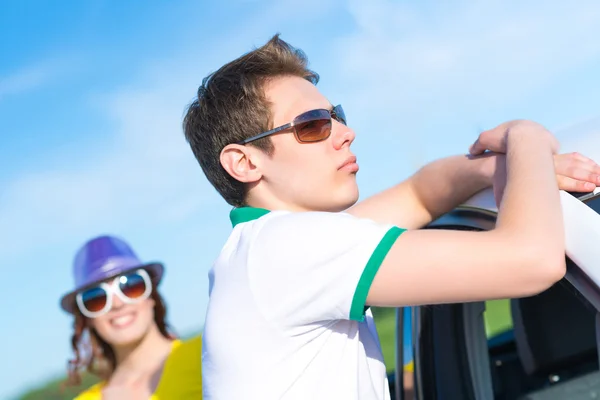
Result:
[[130, 288], [309, 127]]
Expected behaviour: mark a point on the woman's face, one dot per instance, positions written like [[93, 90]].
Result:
[[121, 310]]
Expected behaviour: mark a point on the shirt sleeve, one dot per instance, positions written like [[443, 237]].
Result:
[[316, 266]]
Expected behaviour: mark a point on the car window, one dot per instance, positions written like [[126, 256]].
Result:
[[544, 346], [540, 347]]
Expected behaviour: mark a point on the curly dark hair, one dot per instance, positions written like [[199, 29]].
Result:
[[96, 356]]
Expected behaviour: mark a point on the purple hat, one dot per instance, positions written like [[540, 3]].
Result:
[[102, 258]]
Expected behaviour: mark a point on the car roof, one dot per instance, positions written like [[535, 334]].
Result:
[[484, 200]]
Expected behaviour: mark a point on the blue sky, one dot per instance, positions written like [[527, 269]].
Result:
[[92, 95]]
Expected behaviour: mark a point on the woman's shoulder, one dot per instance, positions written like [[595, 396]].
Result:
[[94, 392], [186, 351], [194, 342], [182, 375]]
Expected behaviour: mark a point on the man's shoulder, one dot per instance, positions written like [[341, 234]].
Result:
[[289, 223], [280, 235], [319, 223]]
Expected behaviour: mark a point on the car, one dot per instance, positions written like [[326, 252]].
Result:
[[540, 347]]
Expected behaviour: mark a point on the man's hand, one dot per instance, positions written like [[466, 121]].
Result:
[[495, 139], [576, 173], [442, 185]]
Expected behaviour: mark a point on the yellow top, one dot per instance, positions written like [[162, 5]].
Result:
[[181, 377]]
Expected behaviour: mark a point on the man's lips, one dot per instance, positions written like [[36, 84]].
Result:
[[349, 165]]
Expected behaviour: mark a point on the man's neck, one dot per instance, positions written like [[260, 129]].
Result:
[[259, 197], [272, 205]]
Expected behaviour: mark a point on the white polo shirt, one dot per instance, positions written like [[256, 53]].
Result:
[[286, 317]]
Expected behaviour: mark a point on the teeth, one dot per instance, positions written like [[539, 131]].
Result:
[[122, 320]]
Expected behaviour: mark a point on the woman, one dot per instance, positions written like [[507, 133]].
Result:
[[121, 334]]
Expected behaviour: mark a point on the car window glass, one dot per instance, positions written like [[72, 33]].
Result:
[[544, 346]]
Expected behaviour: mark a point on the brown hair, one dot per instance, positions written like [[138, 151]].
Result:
[[95, 355], [231, 106]]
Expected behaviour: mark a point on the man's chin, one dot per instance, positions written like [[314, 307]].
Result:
[[348, 201]]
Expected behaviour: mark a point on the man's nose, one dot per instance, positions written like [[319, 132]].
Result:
[[342, 135]]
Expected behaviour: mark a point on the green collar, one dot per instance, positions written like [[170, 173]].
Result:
[[245, 214]]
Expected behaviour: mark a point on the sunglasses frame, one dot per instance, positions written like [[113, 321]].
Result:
[[336, 113], [113, 288]]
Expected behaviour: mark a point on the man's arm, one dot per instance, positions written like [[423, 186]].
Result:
[[435, 189], [444, 184], [522, 256]]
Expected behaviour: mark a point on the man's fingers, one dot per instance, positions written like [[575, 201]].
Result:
[[477, 148], [596, 170], [589, 173], [583, 158], [576, 172], [577, 158], [573, 167], [574, 185], [589, 165], [483, 143]]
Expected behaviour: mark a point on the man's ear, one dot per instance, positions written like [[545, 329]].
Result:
[[239, 162]]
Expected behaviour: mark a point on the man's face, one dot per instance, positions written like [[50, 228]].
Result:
[[317, 176]]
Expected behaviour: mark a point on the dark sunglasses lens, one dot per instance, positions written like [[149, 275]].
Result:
[[313, 126], [94, 299], [338, 114], [132, 285]]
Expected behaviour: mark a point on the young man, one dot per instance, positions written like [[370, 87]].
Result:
[[288, 314]]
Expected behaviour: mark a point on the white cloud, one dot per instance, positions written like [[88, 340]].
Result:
[[141, 169], [33, 76], [23, 80], [483, 52], [142, 173], [140, 181], [469, 53], [584, 137], [145, 170]]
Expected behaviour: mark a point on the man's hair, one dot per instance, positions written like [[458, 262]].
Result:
[[232, 106]]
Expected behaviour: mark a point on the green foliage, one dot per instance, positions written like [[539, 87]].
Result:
[[497, 319], [386, 328], [385, 322], [55, 390]]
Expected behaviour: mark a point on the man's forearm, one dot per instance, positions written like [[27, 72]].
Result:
[[444, 184], [435, 189]]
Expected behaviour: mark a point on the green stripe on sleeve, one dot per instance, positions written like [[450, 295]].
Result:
[[357, 310]]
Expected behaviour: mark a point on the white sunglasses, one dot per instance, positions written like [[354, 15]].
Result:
[[131, 288]]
